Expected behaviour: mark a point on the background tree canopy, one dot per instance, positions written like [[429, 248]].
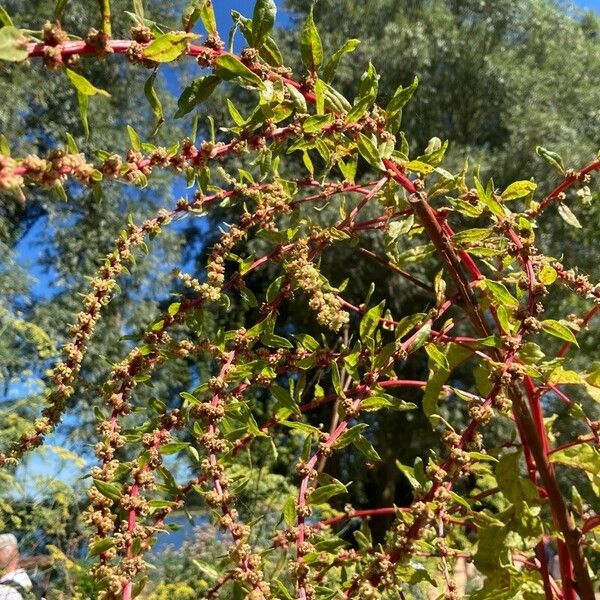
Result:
[[495, 78]]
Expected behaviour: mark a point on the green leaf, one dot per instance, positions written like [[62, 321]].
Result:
[[409, 473], [518, 189], [152, 97], [552, 158], [200, 9], [568, 215], [593, 378], [311, 47], [228, 67], [336, 380], [373, 403], [583, 456], [369, 152], [138, 9], [332, 64], [348, 168], [420, 338], [315, 123], [109, 490], [307, 341], [436, 356], [289, 511], [367, 94], [547, 275], [285, 400], [207, 15], [366, 448], [418, 166], [100, 547], [439, 372], [189, 397], [12, 44], [83, 103], [370, 321], [138, 586], [434, 153], [190, 15], [174, 308], [83, 86], [559, 330], [275, 341], [400, 98], [498, 293], [560, 375], [298, 99], [134, 138], [516, 488], [71, 144], [5, 17], [196, 92], [168, 46], [325, 492], [173, 447], [349, 436], [263, 20], [486, 197], [303, 427]]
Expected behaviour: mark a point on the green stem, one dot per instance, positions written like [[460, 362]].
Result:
[[106, 21]]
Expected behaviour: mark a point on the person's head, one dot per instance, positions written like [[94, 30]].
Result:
[[9, 553]]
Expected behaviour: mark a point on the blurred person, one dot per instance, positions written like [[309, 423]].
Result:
[[14, 581]]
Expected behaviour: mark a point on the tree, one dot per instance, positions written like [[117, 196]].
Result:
[[488, 311]]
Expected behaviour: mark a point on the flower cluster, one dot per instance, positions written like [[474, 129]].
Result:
[[493, 321]]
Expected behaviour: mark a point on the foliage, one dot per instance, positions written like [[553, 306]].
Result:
[[487, 310]]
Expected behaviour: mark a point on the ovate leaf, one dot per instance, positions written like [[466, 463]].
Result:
[[134, 138], [369, 152], [228, 67], [5, 19], [196, 92], [109, 490], [168, 47], [289, 511], [263, 20], [498, 292], [568, 215], [400, 98], [12, 44], [370, 320], [83, 103], [153, 99], [332, 65], [202, 9], [559, 330], [311, 47], [207, 15], [325, 492], [518, 189], [315, 123], [82, 85], [552, 158], [100, 547]]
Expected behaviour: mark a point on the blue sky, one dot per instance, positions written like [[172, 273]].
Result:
[[594, 4]]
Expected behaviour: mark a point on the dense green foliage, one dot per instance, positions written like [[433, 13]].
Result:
[[334, 286]]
